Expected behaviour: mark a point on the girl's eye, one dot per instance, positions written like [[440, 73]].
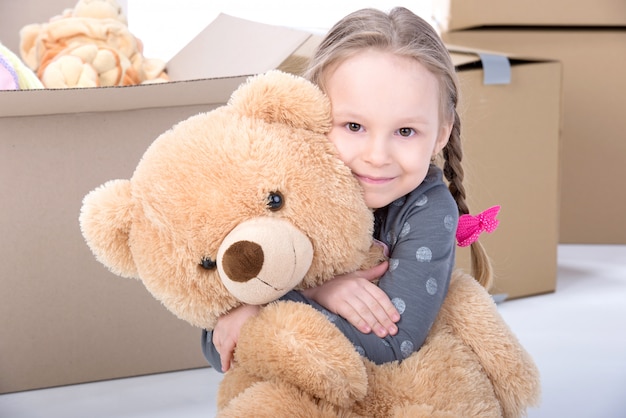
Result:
[[405, 131], [354, 127]]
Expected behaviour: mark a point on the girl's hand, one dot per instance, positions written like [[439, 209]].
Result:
[[362, 303], [227, 329]]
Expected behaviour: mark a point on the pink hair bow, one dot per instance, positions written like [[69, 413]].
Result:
[[470, 227]]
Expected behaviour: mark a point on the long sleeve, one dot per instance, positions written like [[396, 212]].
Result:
[[209, 350], [420, 232]]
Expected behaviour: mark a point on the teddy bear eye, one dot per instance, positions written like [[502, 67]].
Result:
[[208, 264], [275, 201]]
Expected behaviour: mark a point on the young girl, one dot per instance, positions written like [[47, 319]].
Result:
[[393, 90]]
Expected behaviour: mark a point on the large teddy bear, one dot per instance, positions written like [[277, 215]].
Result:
[[89, 45], [242, 204]]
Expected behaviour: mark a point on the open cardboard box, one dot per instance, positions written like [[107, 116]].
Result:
[[67, 320], [463, 14]]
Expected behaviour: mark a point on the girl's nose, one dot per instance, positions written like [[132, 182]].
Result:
[[375, 150]]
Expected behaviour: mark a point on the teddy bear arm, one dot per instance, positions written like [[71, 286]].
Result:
[[294, 343]]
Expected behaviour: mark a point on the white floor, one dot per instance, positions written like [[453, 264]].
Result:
[[577, 336]]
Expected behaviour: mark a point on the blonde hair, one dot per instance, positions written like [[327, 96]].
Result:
[[403, 33]]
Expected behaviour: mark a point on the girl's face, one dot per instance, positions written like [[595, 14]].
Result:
[[386, 122]]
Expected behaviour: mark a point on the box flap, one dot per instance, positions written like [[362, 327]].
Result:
[[468, 56], [232, 46], [462, 58], [496, 65]]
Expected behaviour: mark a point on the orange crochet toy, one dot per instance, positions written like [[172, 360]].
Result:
[[88, 46]]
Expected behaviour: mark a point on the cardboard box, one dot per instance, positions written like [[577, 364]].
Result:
[[593, 202], [66, 319], [463, 14], [510, 133]]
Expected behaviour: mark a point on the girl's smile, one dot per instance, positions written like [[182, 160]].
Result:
[[373, 180]]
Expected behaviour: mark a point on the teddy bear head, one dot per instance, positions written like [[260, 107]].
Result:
[[239, 204]]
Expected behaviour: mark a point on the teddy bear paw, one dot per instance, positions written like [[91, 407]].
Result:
[[292, 342]]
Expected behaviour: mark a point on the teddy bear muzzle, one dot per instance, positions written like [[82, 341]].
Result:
[[263, 258]]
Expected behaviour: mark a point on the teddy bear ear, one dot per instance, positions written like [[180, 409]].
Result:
[[105, 222], [278, 97]]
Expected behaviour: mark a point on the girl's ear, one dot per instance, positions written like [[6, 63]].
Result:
[[442, 138], [105, 221]]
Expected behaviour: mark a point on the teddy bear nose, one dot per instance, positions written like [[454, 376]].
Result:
[[243, 261]]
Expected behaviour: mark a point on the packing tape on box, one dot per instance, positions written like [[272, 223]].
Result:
[[496, 69]]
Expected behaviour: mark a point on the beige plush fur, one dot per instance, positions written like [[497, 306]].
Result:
[[247, 201]]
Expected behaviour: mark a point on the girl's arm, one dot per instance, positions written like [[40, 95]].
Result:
[[219, 345], [354, 297]]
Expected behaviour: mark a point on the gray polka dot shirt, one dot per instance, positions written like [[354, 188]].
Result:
[[419, 230]]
